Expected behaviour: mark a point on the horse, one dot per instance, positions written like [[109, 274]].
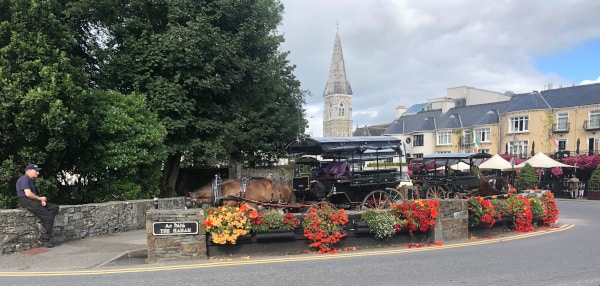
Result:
[[256, 192], [493, 185]]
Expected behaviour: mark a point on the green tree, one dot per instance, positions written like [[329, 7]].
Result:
[[212, 72], [527, 179], [50, 115], [594, 183]]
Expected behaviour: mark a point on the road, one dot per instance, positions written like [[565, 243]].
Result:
[[562, 257]]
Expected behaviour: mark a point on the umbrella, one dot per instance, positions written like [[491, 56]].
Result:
[[533, 148], [540, 160], [496, 163], [578, 143], [506, 150]]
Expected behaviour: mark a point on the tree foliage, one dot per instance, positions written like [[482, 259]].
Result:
[[213, 74], [527, 178], [116, 91], [52, 118]]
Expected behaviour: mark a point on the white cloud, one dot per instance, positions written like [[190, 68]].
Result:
[[591, 81], [403, 52]]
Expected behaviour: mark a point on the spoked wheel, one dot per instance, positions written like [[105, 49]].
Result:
[[395, 196], [416, 192], [380, 199], [436, 192]]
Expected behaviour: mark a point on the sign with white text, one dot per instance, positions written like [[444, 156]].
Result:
[[175, 228]]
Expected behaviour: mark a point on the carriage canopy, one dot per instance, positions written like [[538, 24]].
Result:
[[347, 146]]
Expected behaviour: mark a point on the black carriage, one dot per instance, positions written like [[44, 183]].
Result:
[[348, 172], [451, 175]]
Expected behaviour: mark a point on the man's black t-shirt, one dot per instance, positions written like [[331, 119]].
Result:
[[25, 182]]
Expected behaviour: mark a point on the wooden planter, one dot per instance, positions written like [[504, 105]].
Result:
[[593, 195]]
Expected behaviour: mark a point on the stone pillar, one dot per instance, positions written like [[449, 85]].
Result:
[[452, 222], [172, 235]]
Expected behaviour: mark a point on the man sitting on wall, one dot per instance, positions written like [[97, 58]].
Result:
[[38, 205]]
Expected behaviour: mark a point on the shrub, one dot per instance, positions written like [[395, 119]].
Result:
[[381, 223]]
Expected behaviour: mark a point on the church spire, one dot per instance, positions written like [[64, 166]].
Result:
[[337, 83], [337, 97]]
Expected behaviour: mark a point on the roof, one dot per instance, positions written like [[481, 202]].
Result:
[[345, 145], [373, 130], [580, 95], [337, 82]]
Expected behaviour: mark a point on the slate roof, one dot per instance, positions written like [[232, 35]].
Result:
[[414, 119], [457, 117], [580, 95]]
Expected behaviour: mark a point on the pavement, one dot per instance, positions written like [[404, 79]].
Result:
[[125, 248]]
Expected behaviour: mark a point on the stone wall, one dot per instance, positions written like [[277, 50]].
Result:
[[172, 246], [453, 221], [20, 229]]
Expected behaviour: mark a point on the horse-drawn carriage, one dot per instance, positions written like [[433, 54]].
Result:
[[449, 175], [348, 172]]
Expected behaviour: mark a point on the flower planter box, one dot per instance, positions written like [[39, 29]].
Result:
[[593, 195], [275, 234]]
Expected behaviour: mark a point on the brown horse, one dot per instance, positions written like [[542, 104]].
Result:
[[256, 192], [492, 185]]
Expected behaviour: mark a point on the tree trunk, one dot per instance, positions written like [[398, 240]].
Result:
[[170, 174]]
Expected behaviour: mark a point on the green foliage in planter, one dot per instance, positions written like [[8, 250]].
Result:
[[527, 179], [594, 183], [537, 209], [381, 223], [501, 206]]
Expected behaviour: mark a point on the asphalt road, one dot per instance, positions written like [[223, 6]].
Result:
[[568, 256]]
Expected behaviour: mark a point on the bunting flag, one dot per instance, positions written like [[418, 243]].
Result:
[[477, 145], [405, 154], [555, 142]]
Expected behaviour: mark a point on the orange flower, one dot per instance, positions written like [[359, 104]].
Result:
[[208, 223], [254, 214], [244, 207]]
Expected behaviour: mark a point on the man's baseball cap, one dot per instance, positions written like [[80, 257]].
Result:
[[32, 167]]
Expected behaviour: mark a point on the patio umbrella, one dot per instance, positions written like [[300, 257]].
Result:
[[506, 150], [578, 143], [533, 148]]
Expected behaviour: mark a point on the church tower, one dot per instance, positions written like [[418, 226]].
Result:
[[337, 112]]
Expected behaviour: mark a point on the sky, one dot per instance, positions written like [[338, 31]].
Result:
[[403, 52]]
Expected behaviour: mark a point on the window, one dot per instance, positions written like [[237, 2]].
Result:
[[562, 121], [418, 155], [518, 148], [341, 110], [467, 141], [443, 152], [482, 134], [444, 137], [594, 118], [486, 151], [518, 124], [461, 102], [418, 140], [562, 144]]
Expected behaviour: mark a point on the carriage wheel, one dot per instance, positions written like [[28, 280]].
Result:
[[416, 192], [436, 192], [395, 196], [379, 200]]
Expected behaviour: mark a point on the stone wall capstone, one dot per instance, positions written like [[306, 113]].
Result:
[[20, 229]]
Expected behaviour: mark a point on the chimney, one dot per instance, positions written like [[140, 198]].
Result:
[[400, 109]]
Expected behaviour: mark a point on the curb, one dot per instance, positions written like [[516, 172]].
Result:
[[141, 253]]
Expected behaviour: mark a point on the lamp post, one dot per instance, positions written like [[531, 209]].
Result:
[[512, 175]]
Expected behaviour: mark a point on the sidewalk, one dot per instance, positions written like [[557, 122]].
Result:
[[84, 254]]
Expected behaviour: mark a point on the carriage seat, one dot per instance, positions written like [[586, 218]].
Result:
[[336, 171]]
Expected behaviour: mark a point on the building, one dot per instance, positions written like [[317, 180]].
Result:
[[337, 97], [564, 121]]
